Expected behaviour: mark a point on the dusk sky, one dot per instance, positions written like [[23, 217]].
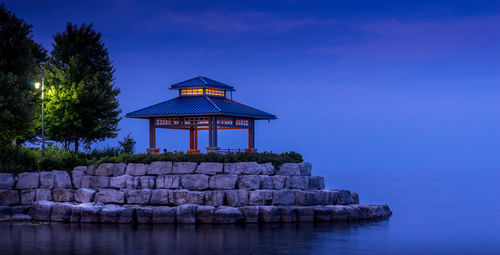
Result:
[[356, 85]]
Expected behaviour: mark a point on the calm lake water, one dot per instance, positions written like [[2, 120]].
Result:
[[434, 213]]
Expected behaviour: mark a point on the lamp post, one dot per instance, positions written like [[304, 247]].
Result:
[[37, 85]]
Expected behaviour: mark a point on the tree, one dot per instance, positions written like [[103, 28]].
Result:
[[20, 58], [82, 100], [127, 144]]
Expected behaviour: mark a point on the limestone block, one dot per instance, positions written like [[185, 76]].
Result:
[[28, 196], [222, 182], [5, 213], [210, 168], [110, 213], [180, 197], [77, 176], [284, 197], [214, 198], [136, 169], [205, 214], [303, 197], [287, 214], [95, 182], [90, 213], [47, 180], [110, 196], [267, 168], [20, 217], [119, 169], [40, 210], [338, 212], [261, 197], [195, 181], [269, 214], [6, 181], [316, 182], [85, 195], [63, 195], [168, 181], [299, 182], [227, 214], [91, 170], [81, 168], [249, 182], [43, 194], [132, 182], [305, 168], [147, 182], [118, 182], [142, 196], [128, 214], [281, 182], [250, 213], [20, 209], [186, 213], [160, 168], [9, 197], [28, 180], [354, 198], [62, 180], [76, 213], [163, 214], [266, 182], [243, 168], [184, 167], [160, 196], [322, 214], [108, 169], [237, 198], [344, 197], [61, 212], [289, 169], [304, 213]]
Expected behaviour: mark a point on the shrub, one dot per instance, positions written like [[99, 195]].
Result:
[[15, 159], [127, 144], [62, 159]]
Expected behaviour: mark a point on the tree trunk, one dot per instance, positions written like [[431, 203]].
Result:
[[76, 145]]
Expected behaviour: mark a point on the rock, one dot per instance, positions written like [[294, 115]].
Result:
[[128, 214], [132, 182], [354, 198], [6, 181], [119, 182], [222, 182], [147, 182], [266, 182], [77, 176], [81, 168], [237, 198], [269, 214], [249, 182], [28, 180], [281, 182], [168, 181], [250, 213], [43, 194], [5, 213], [20, 209], [110, 213], [95, 182], [160, 196], [85, 195], [108, 169], [322, 214], [90, 213], [186, 213], [110, 196], [243, 168], [184, 167], [63, 195], [163, 214], [61, 212], [261, 197], [40, 210], [28, 196], [20, 217], [305, 168], [76, 213], [338, 212], [288, 169], [227, 214], [195, 181], [180, 197], [9, 197], [138, 196], [136, 169], [267, 168], [160, 168], [91, 170], [210, 168], [316, 182], [47, 180], [284, 197], [119, 169], [299, 182], [287, 214], [214, 198], [303, 197], [343, 197], [304, 213], [62, 180], [205, 214]]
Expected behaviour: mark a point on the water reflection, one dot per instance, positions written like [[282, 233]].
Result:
[[304, 238]]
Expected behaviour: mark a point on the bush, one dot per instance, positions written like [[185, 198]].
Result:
[[15, 159], [62, 159], [127, 145]]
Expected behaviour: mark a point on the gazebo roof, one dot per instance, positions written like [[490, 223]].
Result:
[[199, 105], [201, 82]]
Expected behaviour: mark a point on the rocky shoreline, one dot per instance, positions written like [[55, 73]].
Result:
[[180, 192]]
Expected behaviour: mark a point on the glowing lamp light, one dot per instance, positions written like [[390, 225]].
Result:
[[37, 85]]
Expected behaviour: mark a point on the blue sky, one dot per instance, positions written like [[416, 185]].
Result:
[[356, 85]]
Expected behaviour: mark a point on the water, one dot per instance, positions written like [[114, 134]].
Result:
[[434, 213]]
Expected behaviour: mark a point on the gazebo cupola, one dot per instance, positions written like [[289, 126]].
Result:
[[202, 104]]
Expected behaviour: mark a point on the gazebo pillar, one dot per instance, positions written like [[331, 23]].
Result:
[[251, 137], [212, 135], [193, 141], [152, 138]]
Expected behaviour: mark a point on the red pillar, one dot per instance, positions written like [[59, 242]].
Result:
[[152, 138]]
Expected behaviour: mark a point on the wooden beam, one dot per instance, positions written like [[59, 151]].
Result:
[[152, 133], [251, 135]]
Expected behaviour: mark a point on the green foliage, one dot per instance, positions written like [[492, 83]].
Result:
[[20, 57], [17, 159], [82, 100], [104, 152], [57, 158], [127, 145]]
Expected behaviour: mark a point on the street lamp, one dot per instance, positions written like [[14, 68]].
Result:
[[37, 85]]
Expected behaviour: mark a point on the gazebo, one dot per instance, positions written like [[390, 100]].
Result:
[[202, 104]]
